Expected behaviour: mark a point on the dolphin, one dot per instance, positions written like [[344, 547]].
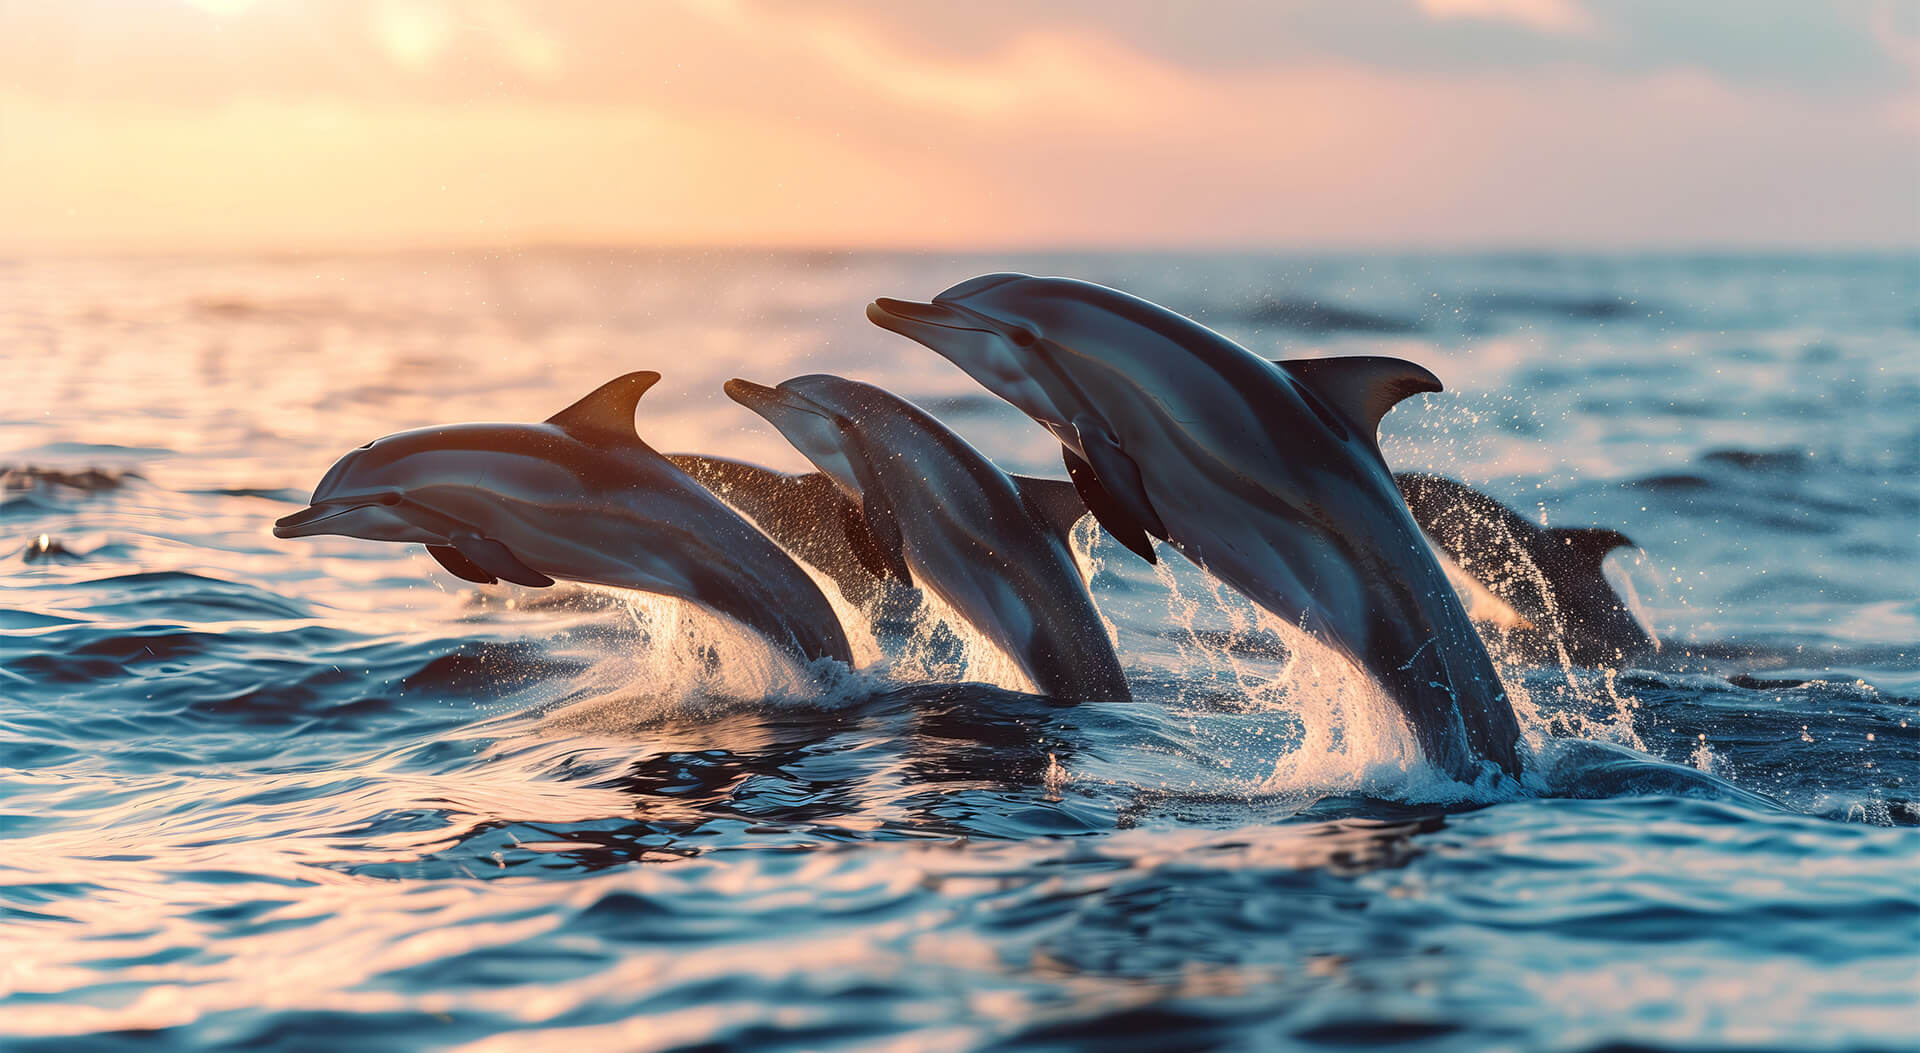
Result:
[[1549, 576], [1268, 475], [579, 497], [818, 524], [805, 513], [923, 505], [1507, 558]]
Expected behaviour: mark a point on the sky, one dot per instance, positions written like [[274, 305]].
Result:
[[296, 125]]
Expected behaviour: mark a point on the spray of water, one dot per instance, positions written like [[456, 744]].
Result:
[[1579, 702], [943, 646], [1336, 732], [1084, 541], [672, 660]]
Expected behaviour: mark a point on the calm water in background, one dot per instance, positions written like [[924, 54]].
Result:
[[320, 793]]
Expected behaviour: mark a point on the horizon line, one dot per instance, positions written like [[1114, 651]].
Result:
[[1304, 248]]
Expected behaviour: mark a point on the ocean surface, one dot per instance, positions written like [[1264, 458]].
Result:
[[320, 794]]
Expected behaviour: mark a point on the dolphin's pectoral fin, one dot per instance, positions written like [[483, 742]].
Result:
[[883, 530], [1118, 474], [493, 558], [1362, 387], [460, 566], [1106, 511], [1056, 503], [607, 411]]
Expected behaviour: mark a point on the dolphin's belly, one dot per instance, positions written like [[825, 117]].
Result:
[[691, 548], [1348, 567], [1015, 584]]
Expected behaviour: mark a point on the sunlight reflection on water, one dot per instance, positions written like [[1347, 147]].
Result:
[[255, 789]]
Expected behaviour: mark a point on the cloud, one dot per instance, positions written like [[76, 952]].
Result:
[[1902, 43], [1546, 16], [1065, 76], [419, 122]]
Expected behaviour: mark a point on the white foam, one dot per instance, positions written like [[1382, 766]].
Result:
[[925, 656], [1352, 738]]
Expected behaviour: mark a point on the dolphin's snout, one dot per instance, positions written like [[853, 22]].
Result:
[[306, 522], [299, 523], [904, 316], [749, 394], [777, 404]]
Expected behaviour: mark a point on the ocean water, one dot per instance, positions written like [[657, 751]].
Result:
[[319, 794]]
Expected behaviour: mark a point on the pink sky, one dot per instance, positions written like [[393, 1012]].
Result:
[[300, 124]]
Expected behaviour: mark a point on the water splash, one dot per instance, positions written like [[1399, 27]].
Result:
[[1326, 726]]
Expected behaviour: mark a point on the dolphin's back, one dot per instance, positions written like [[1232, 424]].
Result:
[[805, 513], [1487, 539], [1552, 578]]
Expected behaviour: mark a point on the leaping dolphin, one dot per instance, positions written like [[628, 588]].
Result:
[[1549, 576], [924, 506], [1511, 560], [818, 524], [1267, 475], [579, 497]]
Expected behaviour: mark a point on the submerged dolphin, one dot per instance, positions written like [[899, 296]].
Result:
[[1550, 577], [579, 497], [804, 512], [924, 505], [1268, 475]]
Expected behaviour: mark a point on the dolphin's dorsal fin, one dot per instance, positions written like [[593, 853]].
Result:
[[1054, 502], [1586, 546], [1362, 387], [607, 413]]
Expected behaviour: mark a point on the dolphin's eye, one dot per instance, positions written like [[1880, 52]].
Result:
[[1023, 338], [390, 498]]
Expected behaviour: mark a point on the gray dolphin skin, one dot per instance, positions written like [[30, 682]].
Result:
[[805, 513], [818, 524], [578, 497], [1551, 577], [1267, 475], [928, 508]]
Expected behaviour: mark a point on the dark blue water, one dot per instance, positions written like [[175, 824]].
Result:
[[320, 794]]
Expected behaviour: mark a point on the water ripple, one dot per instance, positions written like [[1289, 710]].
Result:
[[256, 793]]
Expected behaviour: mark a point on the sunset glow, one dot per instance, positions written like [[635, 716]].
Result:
[[264, 124]]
